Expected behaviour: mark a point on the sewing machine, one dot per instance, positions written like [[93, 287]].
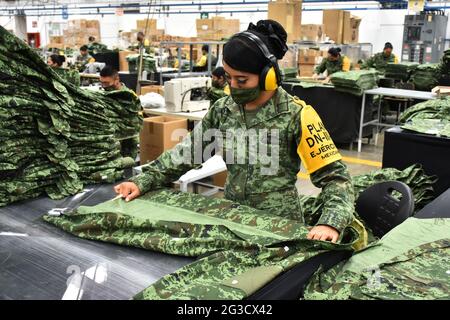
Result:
[[187, 94]]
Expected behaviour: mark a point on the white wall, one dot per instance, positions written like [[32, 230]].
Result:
[[377, 26]]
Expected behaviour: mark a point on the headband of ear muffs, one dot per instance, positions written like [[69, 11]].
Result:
[[270, 76]]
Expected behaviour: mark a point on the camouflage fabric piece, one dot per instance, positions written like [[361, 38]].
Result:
[[430, 117], [379, 62], [400, 71], [96, 47], [55, 136], [410, 262], [239, 241], [330, 66], [355, 82], [215, 94], [257, 184]]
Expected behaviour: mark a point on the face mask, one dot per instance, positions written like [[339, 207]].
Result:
[[110, 88], [244, 96], [216, 84]]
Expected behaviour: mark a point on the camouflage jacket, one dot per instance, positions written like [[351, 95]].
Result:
[[72, 76], [215, 94], [82, 61], [379, 61], [264, 182], [342, 64]]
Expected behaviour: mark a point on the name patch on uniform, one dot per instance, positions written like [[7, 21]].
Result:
[[316, 148]]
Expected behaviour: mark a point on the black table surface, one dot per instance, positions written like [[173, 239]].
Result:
[[37, 259]]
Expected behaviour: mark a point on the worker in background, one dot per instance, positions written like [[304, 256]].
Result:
[[56, 61], [110, 81], [380, 60], [258, 103], [143, 42], [202, 64], [83, 59], [219, 87], [172, 60], [335, 62]]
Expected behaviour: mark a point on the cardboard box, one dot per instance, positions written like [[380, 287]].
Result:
[[441, 91], [306, 70], [333, 24], [351, 30], [156, 136], [219, 179], [140, 24], [312, 32], [123, 63], [288, 13], [152, 88], [308, 56]]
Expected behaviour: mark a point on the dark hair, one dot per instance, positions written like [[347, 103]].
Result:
[[335, 52], [242, 54], [219, 72], [91, 38], [388, 45], [58, 59], [84, 48], [205, 47], [108, 71]]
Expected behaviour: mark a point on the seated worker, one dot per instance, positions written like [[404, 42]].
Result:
[[219, 87], [173, 60], [83, 59], [380, 60], [110, 81], [202, 64], [142, 42], [56, 61], [335, 62], [297, 135]]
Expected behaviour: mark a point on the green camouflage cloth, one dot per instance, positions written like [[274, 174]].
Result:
[[426, 76], [379, 62], [55, 136], [430, 117], [148, 61], [330, 66], [355, 82], [245, 247], [257, 184], [72, 76], [96, 47], [400, 71], [82, 61], [215, 94], [410, 262]]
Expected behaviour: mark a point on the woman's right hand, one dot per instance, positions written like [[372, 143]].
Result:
[[128, 190]]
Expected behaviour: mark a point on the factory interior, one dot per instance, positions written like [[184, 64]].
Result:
[[224, 150]]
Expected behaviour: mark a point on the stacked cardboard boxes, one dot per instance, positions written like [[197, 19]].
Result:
[[79, 31], [289, 14], [341, 27], [216, 28], [308, 59]]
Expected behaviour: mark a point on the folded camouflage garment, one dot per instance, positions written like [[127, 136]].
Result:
[[430, 117], [355, 82], [55, 136], [445, 62], [410, 262], [426, 76], [400, 71]]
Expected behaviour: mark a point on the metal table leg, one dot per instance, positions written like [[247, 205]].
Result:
[[361, 122]]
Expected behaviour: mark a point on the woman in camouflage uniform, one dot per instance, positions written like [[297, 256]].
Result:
[[296, 135], [335, 62]]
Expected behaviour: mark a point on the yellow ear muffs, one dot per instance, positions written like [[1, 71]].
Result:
[[268, 79]]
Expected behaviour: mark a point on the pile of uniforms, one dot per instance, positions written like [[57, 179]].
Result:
[[400, 71], [445, 69], [430, 117], [426, 76], [355, 82], [55, 136], [148, 62]]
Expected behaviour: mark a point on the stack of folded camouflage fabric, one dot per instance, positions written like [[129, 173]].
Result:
[[400, 71], [55, 136], [289, 73], [148, 61], [355, 82], [430, 117], [426, 76]]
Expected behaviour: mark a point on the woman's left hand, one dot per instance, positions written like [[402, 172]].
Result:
[[324, 233]]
